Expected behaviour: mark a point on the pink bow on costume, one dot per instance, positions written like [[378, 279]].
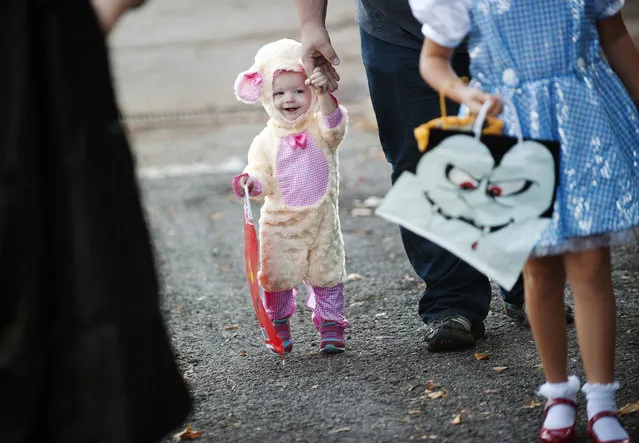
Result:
[[297, 141]]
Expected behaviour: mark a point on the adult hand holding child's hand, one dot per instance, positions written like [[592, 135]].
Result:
[[318, 81]]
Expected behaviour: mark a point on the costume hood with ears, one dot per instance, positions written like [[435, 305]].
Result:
[[257, 82]]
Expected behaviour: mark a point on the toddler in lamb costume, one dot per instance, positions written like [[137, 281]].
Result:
[[293, 164]]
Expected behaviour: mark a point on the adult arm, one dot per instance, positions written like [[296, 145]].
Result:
[[317, 49]]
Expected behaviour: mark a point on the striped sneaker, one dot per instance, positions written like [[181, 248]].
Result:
[[332, 339], [283, 329]]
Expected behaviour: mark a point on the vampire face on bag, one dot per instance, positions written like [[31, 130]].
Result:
[[481, 190]]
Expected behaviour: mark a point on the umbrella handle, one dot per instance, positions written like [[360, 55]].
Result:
[[247, 204]]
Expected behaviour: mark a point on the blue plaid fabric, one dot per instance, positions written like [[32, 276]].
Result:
[[545, 56]]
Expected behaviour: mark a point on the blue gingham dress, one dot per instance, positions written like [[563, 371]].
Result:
[[545, 56]]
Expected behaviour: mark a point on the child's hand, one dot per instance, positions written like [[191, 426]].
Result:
[[244, 180], [475, 99], [318, 81]]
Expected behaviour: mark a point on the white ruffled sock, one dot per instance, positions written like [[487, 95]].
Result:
[[560, 416], [602, 398]]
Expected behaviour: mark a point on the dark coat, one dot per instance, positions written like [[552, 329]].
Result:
[[84, 355]]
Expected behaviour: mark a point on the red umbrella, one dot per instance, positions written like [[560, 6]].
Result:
[[271, 337]]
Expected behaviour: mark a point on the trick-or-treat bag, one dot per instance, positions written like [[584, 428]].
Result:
[[251, 256], [483, 196]]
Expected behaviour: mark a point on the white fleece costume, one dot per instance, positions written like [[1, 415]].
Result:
[[294, 166]]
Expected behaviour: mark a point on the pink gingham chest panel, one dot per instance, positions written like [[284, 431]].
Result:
[[303, 173]]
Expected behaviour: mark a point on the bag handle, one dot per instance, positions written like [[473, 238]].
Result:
[[442, 100], [483, 112], [247, 204]]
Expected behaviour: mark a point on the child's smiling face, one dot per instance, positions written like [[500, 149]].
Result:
[[291, 96]]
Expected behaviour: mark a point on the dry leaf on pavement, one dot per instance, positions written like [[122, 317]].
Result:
[[414, 412], [407, 278], [352, 277], [338, 430], [481, 356], [231, 327], [500, 368], [533, 404], [430, 386], [457, 420], [629, 408], [243, 353], [492, 391], [187, 434], [437, 394]]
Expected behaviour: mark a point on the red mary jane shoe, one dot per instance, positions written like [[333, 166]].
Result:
[[596, 417], [563, 435]]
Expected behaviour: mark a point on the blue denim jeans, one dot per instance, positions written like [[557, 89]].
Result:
[[402, 101]]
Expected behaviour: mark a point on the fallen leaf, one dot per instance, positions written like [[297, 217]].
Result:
[[481, 356], [224, 268], [352, 277], [500, 368], [492, 391], [187, 434], [457, 420], [177, 309], [533, 404], [243, 353], [338, 430], [629, 408], [384, 337], [356, 303], [387, 239], [414, 412], [407, 278], [217, 216], [315, 387], [312, 353], [231, 327], [381, 314], [539, 366], [430, 386], [411, 388], [200, 298], [437, 394], [362, 212]]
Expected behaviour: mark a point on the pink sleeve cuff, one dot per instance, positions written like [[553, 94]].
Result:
[[333, 120], [257, 186]]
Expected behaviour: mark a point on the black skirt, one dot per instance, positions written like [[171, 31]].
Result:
[[84, 354]]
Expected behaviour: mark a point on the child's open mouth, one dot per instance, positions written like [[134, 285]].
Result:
[[292, 110]]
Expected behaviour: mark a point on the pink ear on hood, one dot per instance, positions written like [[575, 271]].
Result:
[[248, 86]]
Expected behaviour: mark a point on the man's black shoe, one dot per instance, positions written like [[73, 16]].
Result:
[[452, 333], [518, 313]]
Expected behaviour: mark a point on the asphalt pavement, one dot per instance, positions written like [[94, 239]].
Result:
[[174, 65]]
